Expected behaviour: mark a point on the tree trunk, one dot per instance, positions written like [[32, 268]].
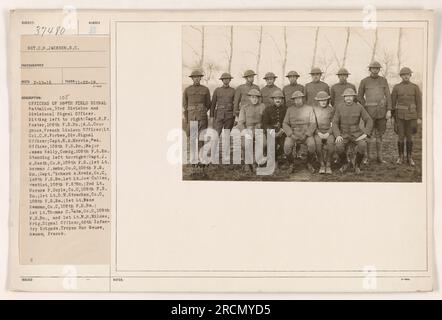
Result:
[[284, 61], [231, 50], [375, 44], [202, 47], [347, 40], [316, 47], [258, 57], [399, 62]]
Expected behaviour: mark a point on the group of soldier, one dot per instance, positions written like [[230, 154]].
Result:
[[326, 120]]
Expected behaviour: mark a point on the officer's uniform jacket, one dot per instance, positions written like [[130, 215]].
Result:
[[337, 90], [273, 117], [222, 102], [266, 92], [407, 101], [196, 102], [374, 95], [250, 116], [288, 91], [241, 96], [346, 121], [324, 118], [312, 88], [299, 121]]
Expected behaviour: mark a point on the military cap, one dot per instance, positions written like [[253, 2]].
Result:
[[270, 75], [254, 92], [297, 94], [349, 92], [342, 71], [249, 73], [315, 70], [322, 95], [292, 74], [405, 70], [226, 75], [277, 94], [374, 64], [196, 73]]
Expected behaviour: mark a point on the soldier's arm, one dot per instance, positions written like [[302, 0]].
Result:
[[236, 100], [368, 121], [387, 95], [332, 115], [393, 101], [207, 100], [312, 124], [285, 124], [185, 104], [266, 119], [327, 88], [335, 124], [242, 118], [332, 96], [361, 92], [212, 108], [419, 102]]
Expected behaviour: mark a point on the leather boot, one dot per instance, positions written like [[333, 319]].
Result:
[[409, 153], [379, 151], [358, 162], [400, 148], [344, 162]]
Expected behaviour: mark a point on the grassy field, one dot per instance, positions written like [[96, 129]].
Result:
[[373, 172]]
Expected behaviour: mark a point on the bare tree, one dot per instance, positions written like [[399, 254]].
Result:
[[375, 44], [399, 51], [229, 68], [258, 56], [210, 68], [387, 60], [282, 54], [335, 56], [347, 40], [284, 61], [315, 47], [201, 55], [325, 62]]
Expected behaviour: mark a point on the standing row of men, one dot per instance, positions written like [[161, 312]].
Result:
[[339, 104]]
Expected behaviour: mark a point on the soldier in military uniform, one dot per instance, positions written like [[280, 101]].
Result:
[[250, 117], [374, 95], [293, 86], [272, 118], [346, 129], [338, 89], [241, 93], [288, 91], [269, 88], [222, 105], [196, 103], [407, 110], [299, 125], [324, 138], [312, 88]]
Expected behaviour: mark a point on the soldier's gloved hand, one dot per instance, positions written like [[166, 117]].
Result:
[[419, 121], [325, 135], [339, 139], [388, 115]]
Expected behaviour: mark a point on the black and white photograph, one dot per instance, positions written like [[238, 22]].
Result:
[[303, 103]]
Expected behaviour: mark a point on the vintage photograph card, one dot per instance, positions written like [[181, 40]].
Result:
[[221, 151]]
